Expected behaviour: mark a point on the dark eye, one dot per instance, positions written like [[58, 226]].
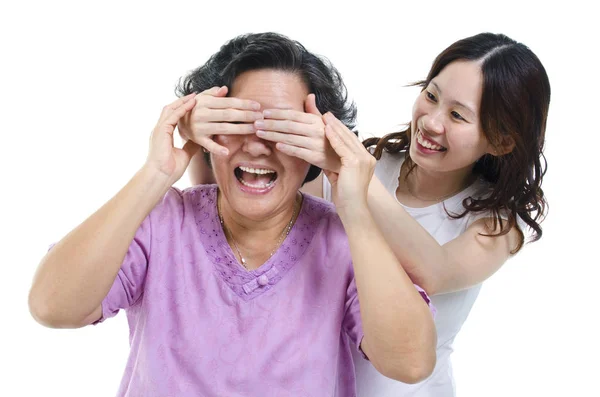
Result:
[[430, 96], [456, 115]]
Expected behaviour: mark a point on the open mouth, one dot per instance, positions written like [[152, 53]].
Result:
[[256, 178], [428, 144]]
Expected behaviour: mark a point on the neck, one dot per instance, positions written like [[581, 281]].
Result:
[[256, 239], [436, 186]]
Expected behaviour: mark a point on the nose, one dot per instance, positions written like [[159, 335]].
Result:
[[433, 123], [255, 146]]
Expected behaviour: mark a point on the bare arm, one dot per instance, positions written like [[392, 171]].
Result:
[[400, 335], [461, 263], [77, 273], [399, 332]]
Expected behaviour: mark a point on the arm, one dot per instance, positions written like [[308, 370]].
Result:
[[78, 272], [461, 263], [399, 332]]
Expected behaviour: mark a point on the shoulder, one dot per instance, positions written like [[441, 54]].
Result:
[[323, 216], [389, 162], [178, 205]]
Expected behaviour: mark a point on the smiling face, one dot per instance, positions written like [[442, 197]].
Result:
[[258, 181], [447, 134]]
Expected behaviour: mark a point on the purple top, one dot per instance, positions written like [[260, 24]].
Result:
[[202, 325]]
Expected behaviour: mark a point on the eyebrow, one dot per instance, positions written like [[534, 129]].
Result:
[[455, 102]]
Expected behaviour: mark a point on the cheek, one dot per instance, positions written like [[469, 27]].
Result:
[[418, 108], [298, 168], [471, 142]]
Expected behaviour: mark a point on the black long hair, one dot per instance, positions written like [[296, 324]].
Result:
[[514, 105]]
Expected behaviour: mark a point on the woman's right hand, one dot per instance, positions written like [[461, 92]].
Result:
[[217, 114], [163, 156]]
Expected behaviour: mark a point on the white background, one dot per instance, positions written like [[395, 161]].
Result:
[[82, 84]]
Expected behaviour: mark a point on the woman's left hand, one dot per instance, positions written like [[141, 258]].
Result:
[[350, 185], [299, 134]]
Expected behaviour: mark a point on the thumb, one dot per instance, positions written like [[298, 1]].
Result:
[[310, 105], [190, 148]]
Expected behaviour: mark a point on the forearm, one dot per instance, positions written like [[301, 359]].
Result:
[[77, 273], [397, 323], [422, 257]]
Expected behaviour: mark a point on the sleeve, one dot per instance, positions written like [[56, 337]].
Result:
[[128, 286], [427, 300], [352, 323]]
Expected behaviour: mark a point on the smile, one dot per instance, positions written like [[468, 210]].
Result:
[[426, 143], [256, 178]]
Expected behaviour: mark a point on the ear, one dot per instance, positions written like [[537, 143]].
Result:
[[505, 145]]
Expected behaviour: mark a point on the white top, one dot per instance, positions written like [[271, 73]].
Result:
[[452, 308]]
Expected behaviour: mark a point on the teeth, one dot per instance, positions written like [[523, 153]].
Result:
[[426, 143], [256, 186], [259, 171]]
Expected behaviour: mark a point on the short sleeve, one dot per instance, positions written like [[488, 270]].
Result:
[[352, 323], [427, 300], [129, 283]]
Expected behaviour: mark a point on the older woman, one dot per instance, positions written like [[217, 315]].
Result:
[[247, 287]]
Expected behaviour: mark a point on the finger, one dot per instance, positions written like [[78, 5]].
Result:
[[244, 116], [290, 139], [215, 102], [178, 113], [336, 142], [170, 108], [290, 114], [226, 128], [288, 126], [211, 91], [310, 156], [212, 146], [310, 105], [347, 136]]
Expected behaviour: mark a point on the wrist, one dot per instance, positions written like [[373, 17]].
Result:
[[152, 182], [356, 213]]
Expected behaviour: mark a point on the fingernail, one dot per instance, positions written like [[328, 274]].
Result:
[[267, 113], [259, 124], [261, 133], [255, 105], [224, 152]]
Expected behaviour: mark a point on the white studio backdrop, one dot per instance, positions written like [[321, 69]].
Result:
[[82, 85]]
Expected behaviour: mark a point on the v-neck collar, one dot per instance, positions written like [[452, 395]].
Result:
[[248, 284]]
